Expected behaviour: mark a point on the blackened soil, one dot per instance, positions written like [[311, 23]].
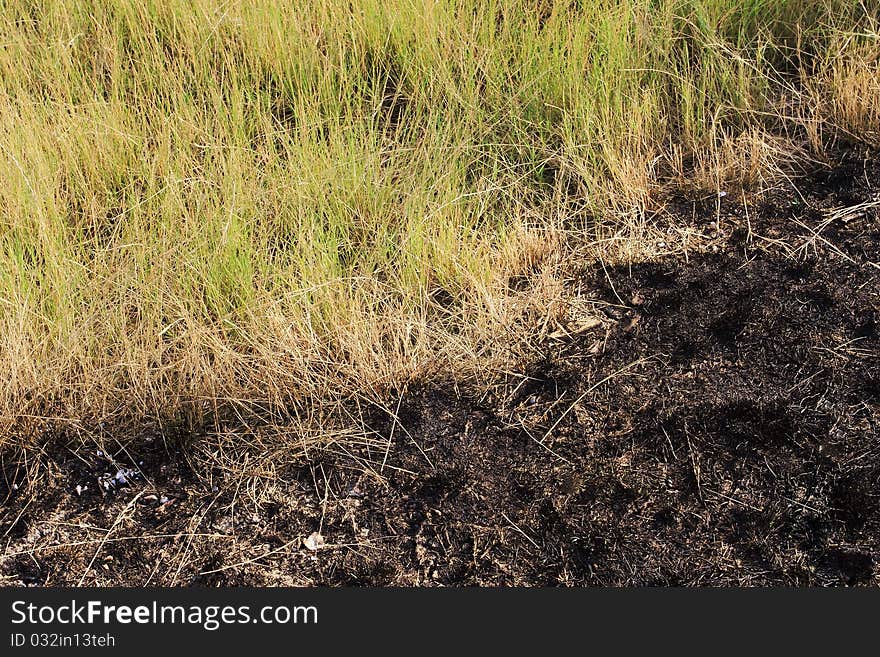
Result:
[[717, 424]]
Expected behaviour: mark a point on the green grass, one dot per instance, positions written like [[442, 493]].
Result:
[[270, 206]]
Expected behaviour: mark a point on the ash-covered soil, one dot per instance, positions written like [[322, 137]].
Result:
[[717, 423]]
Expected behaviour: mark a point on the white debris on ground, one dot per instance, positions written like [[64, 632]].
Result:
[[122, 476], [314, 541]]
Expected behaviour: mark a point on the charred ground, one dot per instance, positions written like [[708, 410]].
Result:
[[717, 424]]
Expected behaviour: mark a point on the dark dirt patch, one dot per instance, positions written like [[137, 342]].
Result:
[[718, 427]]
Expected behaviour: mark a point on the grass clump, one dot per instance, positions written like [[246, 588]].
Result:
[[264, 208]]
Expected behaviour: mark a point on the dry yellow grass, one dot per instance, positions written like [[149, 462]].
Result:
[[260, 210]]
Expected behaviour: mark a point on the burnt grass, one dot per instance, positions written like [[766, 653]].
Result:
[[718, 426]]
